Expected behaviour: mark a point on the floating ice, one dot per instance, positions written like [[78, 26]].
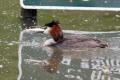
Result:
[[1, 66], [69, 76]]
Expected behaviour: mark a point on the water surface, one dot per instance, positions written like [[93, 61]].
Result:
[[37, 62], [74, 20]]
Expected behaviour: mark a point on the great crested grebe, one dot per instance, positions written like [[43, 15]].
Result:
[[71, 41]]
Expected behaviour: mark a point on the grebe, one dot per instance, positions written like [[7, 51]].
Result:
[[71, 41]]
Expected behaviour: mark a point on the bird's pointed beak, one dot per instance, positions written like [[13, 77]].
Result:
[[37, 30]]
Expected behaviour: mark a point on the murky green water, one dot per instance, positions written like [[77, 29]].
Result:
[[88, 66], [9, 35]]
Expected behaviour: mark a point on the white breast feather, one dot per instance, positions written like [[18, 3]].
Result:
[[47, 30], [49, 42]]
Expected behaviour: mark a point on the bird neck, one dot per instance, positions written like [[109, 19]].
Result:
[[56, 33]]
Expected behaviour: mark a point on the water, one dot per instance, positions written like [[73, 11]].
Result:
[[37, 62], [69, 67]]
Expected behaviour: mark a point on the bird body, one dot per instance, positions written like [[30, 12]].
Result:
[[75, 42]]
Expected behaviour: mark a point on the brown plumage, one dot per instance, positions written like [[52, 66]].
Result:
[[80, 42]]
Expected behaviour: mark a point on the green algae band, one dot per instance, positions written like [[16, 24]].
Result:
[[71, 4]]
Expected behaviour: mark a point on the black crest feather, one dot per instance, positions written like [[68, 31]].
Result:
[[52, 23]]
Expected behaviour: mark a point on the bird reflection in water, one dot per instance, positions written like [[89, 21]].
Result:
[[54, 61], [56, 58]]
